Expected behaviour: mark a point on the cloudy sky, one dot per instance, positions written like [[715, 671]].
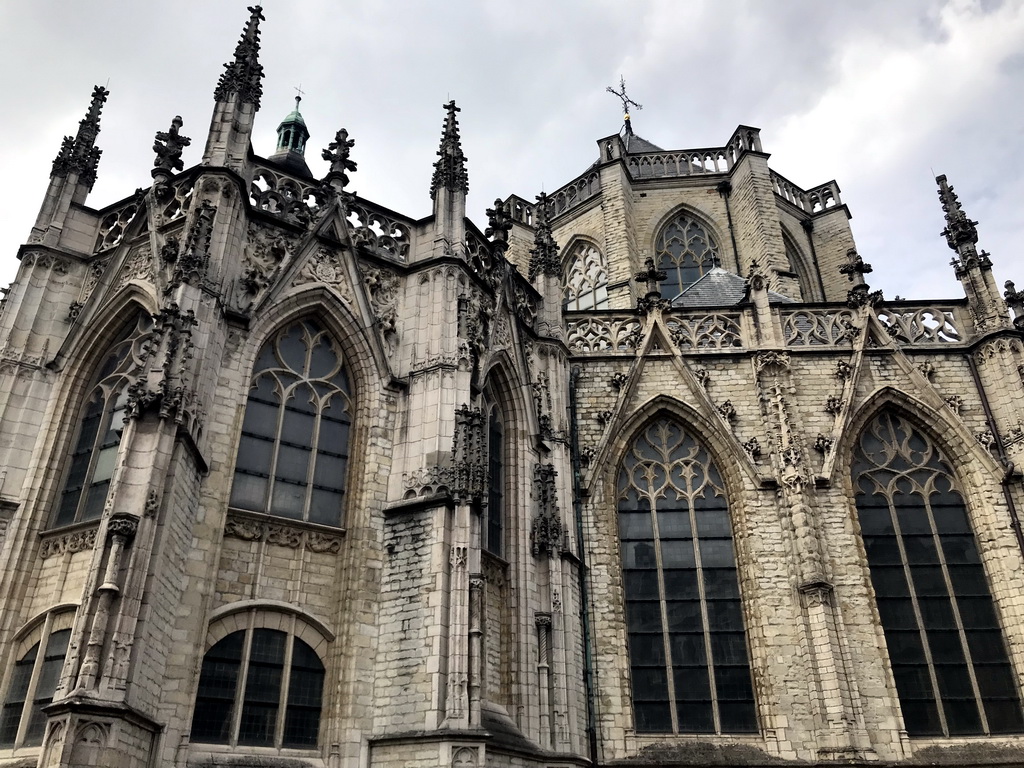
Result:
[[879, 95]]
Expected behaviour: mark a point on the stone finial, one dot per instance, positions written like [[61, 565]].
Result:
[[337, 154], [243, 75], [855, 268], [651, 275], [544, 258], [168, 146], [498, 224], [959, 230], [80, 154], [450, 169]]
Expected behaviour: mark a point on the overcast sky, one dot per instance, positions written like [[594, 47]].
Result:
[[877, 94]]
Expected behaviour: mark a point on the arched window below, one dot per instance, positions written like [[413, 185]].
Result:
[[259, 687], [293, 454], [949, 659], [101, 424], [685, 251], [586, 282], [687, 644], [33, 681]]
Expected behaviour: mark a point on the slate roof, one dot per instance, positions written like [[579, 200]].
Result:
[[720, 288]]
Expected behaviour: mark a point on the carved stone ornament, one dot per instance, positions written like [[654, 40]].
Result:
[[123, 526], [428, 480], [927, 370], [603, 417], [843, 370], [823, 443], [194, 258], [163, 384], [382, 287], [74, 311], [264, 254], [753, 448], [618, 380], [168, 146], [728, 411], [469, 449], [833, 405], [955, 403], [703, 376], [778, 361], [243, 75], [547, 531], [465, 757], [587, 455], [987, 440], [79, 541], [279, 534]]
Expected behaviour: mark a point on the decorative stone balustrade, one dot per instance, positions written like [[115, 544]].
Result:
[[379, 230], [916, 325], [816, 200], [574, 193], [115, 223]]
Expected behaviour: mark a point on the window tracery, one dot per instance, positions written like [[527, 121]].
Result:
[[687, 644], [586, 282], [293, 453], [949, 660], [685, 251], [494, 518], [100, 427]]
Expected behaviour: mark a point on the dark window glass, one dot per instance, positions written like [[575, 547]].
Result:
[[264, 664], [293, 453], [46, 672], [681, 589], [949, 658], [685, 251], [495, 483]]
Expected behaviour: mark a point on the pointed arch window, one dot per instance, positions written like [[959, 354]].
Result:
[[100, 428], [586, 282], [948, 654], [686, 251], [687, 644], [293, 454]]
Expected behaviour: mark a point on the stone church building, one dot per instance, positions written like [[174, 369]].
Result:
[[643, 472]]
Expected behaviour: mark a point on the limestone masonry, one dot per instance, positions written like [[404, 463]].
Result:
[[644, 473]]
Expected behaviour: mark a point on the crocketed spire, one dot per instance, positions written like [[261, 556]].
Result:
[[450, 169], [544, 256], [959, 230], [80, 154], [244, 74]]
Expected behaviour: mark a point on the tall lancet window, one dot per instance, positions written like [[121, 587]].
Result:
[[293, 455], [586, 281], [687, 644], [686, 251], [494, 518], [101, 423], [949, 659]]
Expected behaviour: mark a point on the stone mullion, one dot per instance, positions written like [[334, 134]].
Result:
[[670, 685], [30, 693]]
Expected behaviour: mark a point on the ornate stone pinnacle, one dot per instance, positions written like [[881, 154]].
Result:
[[960, 230], [450, 170], [498, 224], [168, 146], [544, 258], [1015, 301], [244, 74], [79, 154]]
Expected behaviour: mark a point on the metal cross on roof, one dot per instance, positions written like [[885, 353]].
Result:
[[299, 91], [621, 93]]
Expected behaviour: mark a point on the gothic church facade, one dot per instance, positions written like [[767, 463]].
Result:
[[642, 473]]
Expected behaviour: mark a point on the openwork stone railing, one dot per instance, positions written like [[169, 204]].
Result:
[[379, 230], [687, 162], [811, 201], [713, 331], [922, 325], [603, 334], [574, 193], [818, 327], [114, 224], [281, 195]]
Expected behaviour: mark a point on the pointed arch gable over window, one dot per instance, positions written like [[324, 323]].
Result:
[[294, 449], [101, 423], [586, 279], [687, 643], [685, 250], [949, 659]]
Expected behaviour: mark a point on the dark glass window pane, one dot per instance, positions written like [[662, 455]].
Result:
[[986, 645], [249, 492], [951, 519], [650, 684], [713, 522], [890, 581], [720, 582], [897, 613], [1004, 716], [684, 615], [678, 554], [920, 550], [737, 716], [215, 699], [960, 550], [728, 648], [647, 650], [937, 613], [643, 617], [875, 521], [325, 507], [921, 717], [928, 581], [725, 615], [289, 499], [962, 716], [913, 682], [977, 612], [716, 553], [692, 683], [695, 717], [905, 647], [674, 525], [681, 584], [954, 681], [641, 585], [635, 525], [968, 580], [652, 717], [733, 682], [945, 646], [995, 681], [882, 550], [688, 649]]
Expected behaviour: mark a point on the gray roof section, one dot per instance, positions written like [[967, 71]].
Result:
[[720, 288], [637, 145]]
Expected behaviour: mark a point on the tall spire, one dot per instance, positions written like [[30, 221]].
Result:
[[80, 154], [243, 75], [450, 169], [973, 269]]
